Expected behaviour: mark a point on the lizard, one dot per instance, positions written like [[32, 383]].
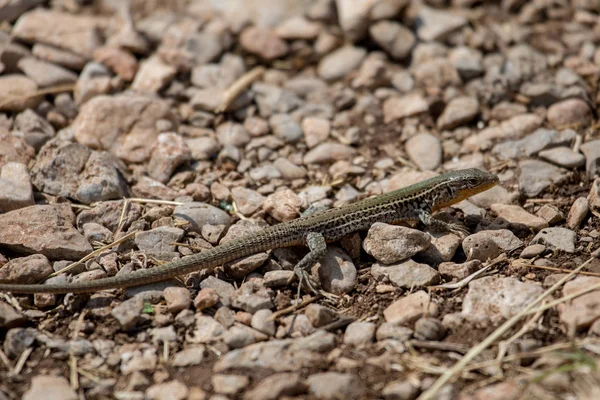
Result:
[[416, 202]]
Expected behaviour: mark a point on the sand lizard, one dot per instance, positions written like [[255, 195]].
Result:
[[412, 203]]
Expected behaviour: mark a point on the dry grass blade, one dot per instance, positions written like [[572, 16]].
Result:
[[562, 270], [50, 90], [22, 360], [237, 87], [475, 351], [291, 309]]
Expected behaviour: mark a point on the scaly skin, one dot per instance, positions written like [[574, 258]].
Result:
[[415, 202]]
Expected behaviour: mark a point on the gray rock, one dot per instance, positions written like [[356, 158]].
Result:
[[247, 201], [274, 100], [159, 239], [191, 355], [319, 315], [459, 111], [229, 384], [582, 311], [393, 37], [394, 331], [533, 143], [328, 152], [31, 269], [425, 150], [9, 317], [224, 289], [243, 266], [252, 297], [276, 279], [577, 213], [18, 340], [533, 250], [359, 333], [200, 214], [562, 239], [331, 385], [406, 275], [518, 217], [263, 43], [277, 386], [338, 63], [177, 299], [443, 247], [238, 336], [15, 187], [23, 89], [46, 74], [459, 271], [467, 61], [591, 150], [395, 108], [129, 313], [536, 176], [435, 24], [261, 321], [410, 308], [563, 157], [33, 128], [568, 112], [400, 390], [285, 128], [169, 153], [550, 214], [335, 271], [429, 329], [486, 245], [390, 244]]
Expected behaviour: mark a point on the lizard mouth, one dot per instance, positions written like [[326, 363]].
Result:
[[490, 182]]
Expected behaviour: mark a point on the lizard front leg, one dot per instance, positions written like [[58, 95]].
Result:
[[440, 226], [317, 247]]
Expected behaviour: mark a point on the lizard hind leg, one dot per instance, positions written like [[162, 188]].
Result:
[[317, 247]]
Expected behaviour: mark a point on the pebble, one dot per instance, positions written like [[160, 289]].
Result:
[[394, 331], [130, 133], [298, 27], [20, 87], [206, 298], [425, 150], [31, 269], [316, 130], [443, 247], [400, 390], [51, 388], [43, 229], [252, 297], [458, 112], [536, 176], [577, 213], [390, 244], [533, 250], [118, 60], [359, 333], [277, 386], [283, 205], [232, 134], [591, 150], [508, 390], [394, 38], [467, 61], [518, 217], [319, 315], [247, 201], [328, 152], [410, 308], [332, 385], [261, 321], [174, 389], [436, 25], [533, 143], [459, 271], [15, 187], [335, 271], [263, 42], [177, 299], [562, 239], [406, 275], [288, 169], [46, 74], [277, 279], [515, 127], [200, 214], [495, 195], [569, 112], [229, 384], [285, 128], [563, 157], [429, 329], [583, 310], [594, 196], [129, 313], [486, 245], [94, 80], [495, 298], [550, 214], [9, 317], [409, 105], [153, 75], [191, 355], [338, 63], [18, 340]]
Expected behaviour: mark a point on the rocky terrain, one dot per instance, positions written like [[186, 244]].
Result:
[[137, 132]]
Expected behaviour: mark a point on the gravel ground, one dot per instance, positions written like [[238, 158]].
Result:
[[217, 118]]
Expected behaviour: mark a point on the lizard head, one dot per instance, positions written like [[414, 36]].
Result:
[[465, 183]]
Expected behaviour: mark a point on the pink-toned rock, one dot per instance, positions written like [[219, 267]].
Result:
[[117, 60], [263, 42], [125, 125], [22, 89], [410, 308], [206, 298], [569, 112], [582, 311], [283, 205]]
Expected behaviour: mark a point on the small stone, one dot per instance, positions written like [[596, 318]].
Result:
[[129, 313], [332, 385], [153, 75], [118, 60], [191, 355], [51, 388], [177, 299], [390, 244], [18, 340], [200, 214], [577, 213], [335, 271], [169, 153], [443, 247], [174, 390], [277, 386], [238, 336], [22, 89], [583, 310], [283, 205], [407, 275], [568, 112], [285, 128], [229, 384], [458, 112], [410, 105], [206, 298], [563, 157], [429, 329], [393, 37], [556, 239], [425, 150], [533, 143], [298, 27], [288, 169], [203, 148], [9, 317], [533, 250], [159, 239], [400, 390], [496, 298], [15, 187], [550, 214], [437, 24], [247, 201], [252, 297], [459, 271], [319, 315], [518, 217], [31, 269], [393, 331], [591, 150], [46, 74], [536, 176], [261, 321], [410, 308], [263, 42], [316, 130], [276, 279], [328, 152], [338, 63], [495, 195], [486, 245], [359, 333]]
